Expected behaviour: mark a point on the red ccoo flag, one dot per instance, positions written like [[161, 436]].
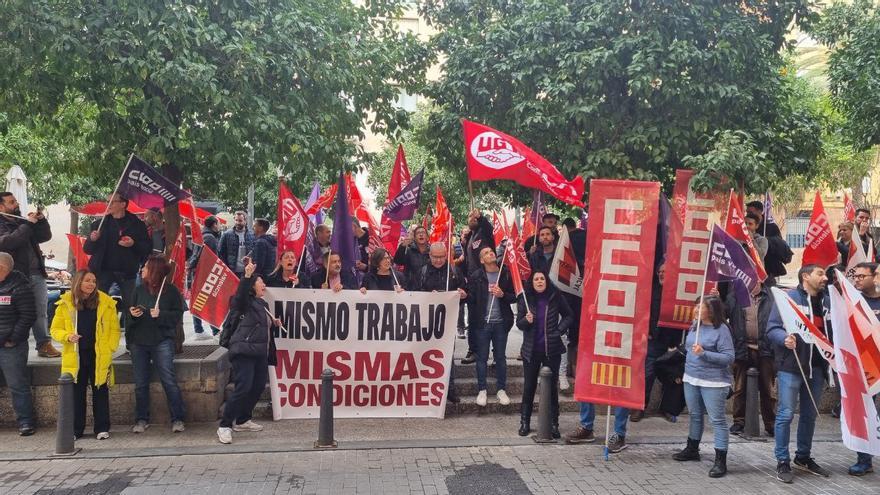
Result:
[[293, 223], [735, 227], [212, 287], [79, 255], [820, 248], [389, 230], [491, 154]]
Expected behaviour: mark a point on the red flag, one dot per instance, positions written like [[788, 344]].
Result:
[[498, 232], [187, 210], [324, 202], [442, 223], [491, 154], [79, 254], [619, 267], [849, 209], [735, 227], [178, 258], [356, 202], [528, 225], [98, 208], [389, 230], [293, 223], [521, 262], [212, 288], [819, 245]]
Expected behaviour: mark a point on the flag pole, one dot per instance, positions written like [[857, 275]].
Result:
[[13, 216], [535, 221], [500, 270], [804, 376], [115, 189], [159, 295], [508, 246], [703, 286], [607, 430], [302, 257], [272, 317], [449, 251], [766, 195], [327, 269]]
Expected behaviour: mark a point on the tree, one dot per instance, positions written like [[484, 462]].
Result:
[[604, 88], [852, 31], [454, 185], [217, 93]]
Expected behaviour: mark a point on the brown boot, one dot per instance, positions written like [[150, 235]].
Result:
[[46, 350]]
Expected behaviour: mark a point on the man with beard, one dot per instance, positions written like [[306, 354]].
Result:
[[864, 281], [337, 280], [21, 238], [236, 244]]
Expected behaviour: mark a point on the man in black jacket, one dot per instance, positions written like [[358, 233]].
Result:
[[490, 294], [17, 314], [479, 236], [337, 280], [118, 249], [21, 239], [778, 251], [265, 248]]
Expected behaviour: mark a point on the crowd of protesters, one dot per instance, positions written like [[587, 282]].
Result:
[[700, 368]]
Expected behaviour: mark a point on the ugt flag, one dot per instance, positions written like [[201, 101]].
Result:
[[212, 287], [491, 154], [728, 262], [293, 223], [144, 185], [859, 423], [405, 205]]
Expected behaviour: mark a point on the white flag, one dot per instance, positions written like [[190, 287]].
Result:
[[796, 322], [564, 270]]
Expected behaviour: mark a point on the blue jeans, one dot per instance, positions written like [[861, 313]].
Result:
[[162, 355], [496, 334], [13, 364], [588, 416], [41, 299], [791, 387], [711, 401]]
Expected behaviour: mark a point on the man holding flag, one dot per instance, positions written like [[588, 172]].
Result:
[[801, 370]]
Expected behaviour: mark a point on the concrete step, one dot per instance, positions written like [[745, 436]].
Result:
[[514, 369]]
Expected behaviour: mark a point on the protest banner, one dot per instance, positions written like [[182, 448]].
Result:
[[688, 245], [390, 353], [621, 236]]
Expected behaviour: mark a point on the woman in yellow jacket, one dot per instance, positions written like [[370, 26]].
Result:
[[87, 323]]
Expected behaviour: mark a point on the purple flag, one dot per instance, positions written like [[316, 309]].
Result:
[[318, 217], [342, 240], [768, 208], [146, 187], [728, 262], [405, 205]]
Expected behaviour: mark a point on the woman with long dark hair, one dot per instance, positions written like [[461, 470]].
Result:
[[285, 273], [543, 322], [251, 352], [381, 275], [87, 323], [707, 379], [156, 309]]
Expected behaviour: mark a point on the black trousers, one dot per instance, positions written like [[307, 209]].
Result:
[[531, 370], [249, 374], [85, 379]]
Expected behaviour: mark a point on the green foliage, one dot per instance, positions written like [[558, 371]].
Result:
[[732, 158], [453, 183], [619, 89], [852, 31], [221, 93]]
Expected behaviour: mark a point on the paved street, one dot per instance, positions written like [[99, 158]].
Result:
[[645, 468]]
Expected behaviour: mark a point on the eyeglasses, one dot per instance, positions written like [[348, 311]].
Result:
[[861, 276]]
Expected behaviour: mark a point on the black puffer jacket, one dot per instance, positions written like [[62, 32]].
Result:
[[108, 255], [434, 279], [412, 260], [276, 279], [557, 321], [252, 338], [21, 239], [476, 240], [17, 308], [478, 299], [736, 315]]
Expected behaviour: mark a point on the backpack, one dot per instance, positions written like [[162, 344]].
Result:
[[230, 325]]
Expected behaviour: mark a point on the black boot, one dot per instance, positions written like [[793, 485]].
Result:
[[524, 426], [689, 453], [720, 468], [554, 429]]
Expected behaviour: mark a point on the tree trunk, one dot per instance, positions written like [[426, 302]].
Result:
[[74, 229]]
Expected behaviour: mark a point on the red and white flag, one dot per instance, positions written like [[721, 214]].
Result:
[[819, 245], [521, 264], [859, 422], [442, 225], [796, 322], [324, 201], [849, 209], [867, 338], [735, 227], [212, 288], [187, 210], [293, 222], [528, 229], [856, 255], [492, 154], [497, 229], [564, 270], [389, 230], [359, 207]]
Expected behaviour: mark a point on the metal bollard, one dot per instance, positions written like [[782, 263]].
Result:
[[64, 441], [545, 412], [752, 427], [325, 425]]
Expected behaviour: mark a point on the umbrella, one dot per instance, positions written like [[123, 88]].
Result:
[[16, 183]]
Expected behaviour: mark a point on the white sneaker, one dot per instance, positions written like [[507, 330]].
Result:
[[104, 435], [563, 382], [247, 426], [204, 336], [481, 398], [224, 435], [503, 398]]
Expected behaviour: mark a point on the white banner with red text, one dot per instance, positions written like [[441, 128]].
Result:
[[390, 353]]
